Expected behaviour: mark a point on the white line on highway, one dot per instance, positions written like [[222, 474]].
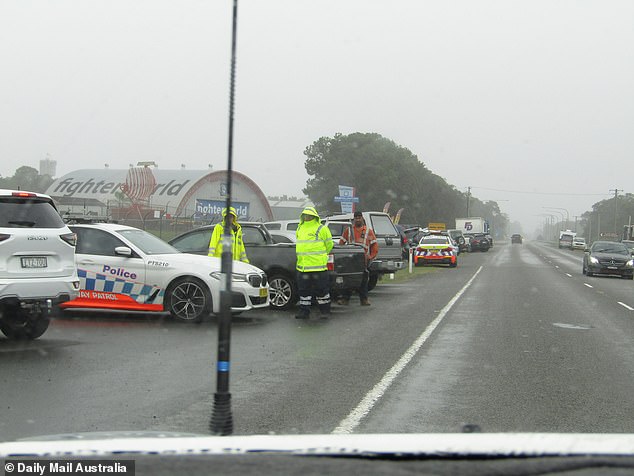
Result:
[[556, 266], [586, 284], [348, 424], [569, 275], [626, 306]]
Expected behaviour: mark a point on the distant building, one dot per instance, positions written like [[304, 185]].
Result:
[[198, 194], [48, 167]]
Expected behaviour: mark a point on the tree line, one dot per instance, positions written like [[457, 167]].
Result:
[[382, 171]]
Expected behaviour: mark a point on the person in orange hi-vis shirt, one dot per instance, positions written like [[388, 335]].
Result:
[[365, 237]]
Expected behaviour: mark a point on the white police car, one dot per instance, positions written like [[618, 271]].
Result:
[[125, 268]]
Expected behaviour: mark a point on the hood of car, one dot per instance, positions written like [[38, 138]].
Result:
[[485, 444], [209, 262], [610, 256]]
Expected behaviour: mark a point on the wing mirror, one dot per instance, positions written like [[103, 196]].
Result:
[[123, 251]]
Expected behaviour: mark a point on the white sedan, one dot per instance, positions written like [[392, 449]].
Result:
[[125, 268]]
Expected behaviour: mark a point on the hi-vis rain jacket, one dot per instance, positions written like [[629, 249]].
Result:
[[238, 252], [314, 242]]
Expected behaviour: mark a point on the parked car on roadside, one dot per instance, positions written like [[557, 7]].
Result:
[[479, 242], [37, 263], [458, 237], [436, 249], [278, 259], [125, 268], [390, 257]]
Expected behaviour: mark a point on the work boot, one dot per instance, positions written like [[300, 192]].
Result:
[[342, 301], [365, 302]]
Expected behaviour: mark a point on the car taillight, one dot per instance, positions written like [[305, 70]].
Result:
[[4, 236], [331, 262], [70, 238], [24, 194]]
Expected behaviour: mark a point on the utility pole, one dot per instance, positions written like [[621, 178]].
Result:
[[468, 200], [616, 203]]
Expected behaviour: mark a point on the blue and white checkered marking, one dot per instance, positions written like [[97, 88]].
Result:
[[140, 292]]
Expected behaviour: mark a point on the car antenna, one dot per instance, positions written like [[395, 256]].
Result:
[[221, 419]]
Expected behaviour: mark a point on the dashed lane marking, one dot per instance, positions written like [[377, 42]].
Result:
[[626, 306]]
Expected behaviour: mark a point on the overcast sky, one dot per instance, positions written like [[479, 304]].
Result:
[[530, 103]]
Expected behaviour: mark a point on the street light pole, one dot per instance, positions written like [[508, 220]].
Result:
[[562, 217]]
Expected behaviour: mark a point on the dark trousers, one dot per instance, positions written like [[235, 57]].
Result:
[[315, 284], [363, 288]]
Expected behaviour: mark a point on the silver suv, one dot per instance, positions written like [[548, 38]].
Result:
[[37, 263]]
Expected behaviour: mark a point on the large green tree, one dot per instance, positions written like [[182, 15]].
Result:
[[27, 178], [382, 171], [601, 219]]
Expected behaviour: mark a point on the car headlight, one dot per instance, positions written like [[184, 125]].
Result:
[[630, 263], [235, 277], [593, 260]]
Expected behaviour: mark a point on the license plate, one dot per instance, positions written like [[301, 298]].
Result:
[[613, 267], [34, 262], [263, 292]]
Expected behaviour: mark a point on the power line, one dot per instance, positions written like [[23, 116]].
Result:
[[544, 193]]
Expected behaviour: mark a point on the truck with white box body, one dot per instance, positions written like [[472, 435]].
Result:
[[472, 225]]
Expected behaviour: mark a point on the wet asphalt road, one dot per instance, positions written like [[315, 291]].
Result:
[[530, 345]]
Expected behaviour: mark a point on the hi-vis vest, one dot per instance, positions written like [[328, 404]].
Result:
[[238, 252], [314, 242]]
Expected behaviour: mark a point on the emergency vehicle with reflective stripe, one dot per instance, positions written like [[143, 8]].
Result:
[[435, 250]]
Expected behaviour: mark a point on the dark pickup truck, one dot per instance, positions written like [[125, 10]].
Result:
[[346, 263]]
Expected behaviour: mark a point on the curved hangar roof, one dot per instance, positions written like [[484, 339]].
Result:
[[182, 192]]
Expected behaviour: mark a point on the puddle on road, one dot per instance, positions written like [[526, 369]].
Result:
[[572, 326]]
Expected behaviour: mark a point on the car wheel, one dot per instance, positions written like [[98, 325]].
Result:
[[26, 331], [282, 292], [372, 280], [188, 300]]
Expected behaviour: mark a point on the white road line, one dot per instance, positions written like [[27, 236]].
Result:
[[348, 424], [626, 306], [569, 275], [556, 266], [586, 284]]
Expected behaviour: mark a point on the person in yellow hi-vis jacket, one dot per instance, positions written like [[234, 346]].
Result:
[[215, 244], [314, 242]]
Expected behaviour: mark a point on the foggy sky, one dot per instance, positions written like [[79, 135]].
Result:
[[530, 103]]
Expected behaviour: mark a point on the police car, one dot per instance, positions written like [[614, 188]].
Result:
[[125, 268], [436, 248]]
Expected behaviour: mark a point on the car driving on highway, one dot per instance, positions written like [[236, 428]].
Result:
[[125, 268], [608, 258]]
